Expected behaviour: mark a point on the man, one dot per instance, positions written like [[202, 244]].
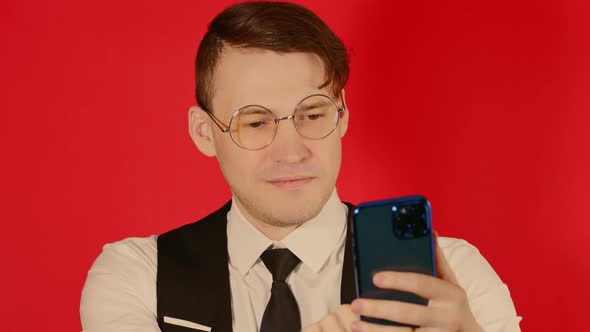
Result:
[[270, 85]]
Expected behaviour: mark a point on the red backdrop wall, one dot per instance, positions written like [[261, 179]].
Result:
[[482, 106]]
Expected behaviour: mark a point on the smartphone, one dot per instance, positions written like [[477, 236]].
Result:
[[392, 235]]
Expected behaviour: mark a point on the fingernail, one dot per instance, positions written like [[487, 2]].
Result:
[[356, 326], [378, 279], [357, 307]]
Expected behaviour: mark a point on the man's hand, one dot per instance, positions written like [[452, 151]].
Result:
[[337, 321], [447, 310]]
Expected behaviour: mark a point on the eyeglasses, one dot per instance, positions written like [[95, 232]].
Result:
[[253, 127]]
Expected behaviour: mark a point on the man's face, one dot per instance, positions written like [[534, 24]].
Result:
[[290, 180]]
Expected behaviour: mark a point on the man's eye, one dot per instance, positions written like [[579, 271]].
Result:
[[257, 124], [314, 116], [310, 116]]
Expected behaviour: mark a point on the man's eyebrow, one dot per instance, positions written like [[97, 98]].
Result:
[[253, 109], [308, 106]]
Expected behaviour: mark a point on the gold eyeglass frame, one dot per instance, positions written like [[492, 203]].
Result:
[[226, 128]]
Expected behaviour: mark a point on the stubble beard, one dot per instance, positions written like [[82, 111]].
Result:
[[281, 216]]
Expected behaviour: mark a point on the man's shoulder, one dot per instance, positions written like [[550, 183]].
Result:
[[127, 254], [133, 243], [206, 224], [489, 298], [460, 254], [471, 268], [120, 286], [450, 244], [133, 253], [122, 277]]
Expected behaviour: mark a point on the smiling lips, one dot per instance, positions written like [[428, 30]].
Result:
[[291, 182]]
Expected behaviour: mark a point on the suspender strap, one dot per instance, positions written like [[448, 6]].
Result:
[[348, 285], [193, 276]]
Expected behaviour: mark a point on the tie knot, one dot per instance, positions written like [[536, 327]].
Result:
[[280, 262]]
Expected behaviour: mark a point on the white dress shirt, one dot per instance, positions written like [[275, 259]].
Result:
[[120, 290]]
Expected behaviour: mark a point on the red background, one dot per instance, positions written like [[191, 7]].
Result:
[[482, 106]]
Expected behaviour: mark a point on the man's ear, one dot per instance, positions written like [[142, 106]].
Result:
[[199, 127], [343, 122]]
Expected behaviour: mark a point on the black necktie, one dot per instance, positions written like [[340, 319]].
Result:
[[281, 313]]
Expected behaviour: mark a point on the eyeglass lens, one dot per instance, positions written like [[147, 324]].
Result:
[[254, 127]]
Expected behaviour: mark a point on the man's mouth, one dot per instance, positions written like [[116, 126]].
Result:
[[291, 182]]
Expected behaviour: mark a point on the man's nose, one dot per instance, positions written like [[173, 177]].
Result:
[[288, 146]]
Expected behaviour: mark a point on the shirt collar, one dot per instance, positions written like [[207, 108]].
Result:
[[312, 242], [245, 243]]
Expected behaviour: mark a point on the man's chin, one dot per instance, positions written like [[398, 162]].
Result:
[[301, 194], [297, 206], [290, 204]]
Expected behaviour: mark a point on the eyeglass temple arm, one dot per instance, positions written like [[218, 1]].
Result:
[[343, 108], [222, 126]]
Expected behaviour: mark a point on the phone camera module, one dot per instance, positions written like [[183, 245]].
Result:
[[409, 222]]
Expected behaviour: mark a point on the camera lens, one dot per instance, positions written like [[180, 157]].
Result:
[[410, 221]]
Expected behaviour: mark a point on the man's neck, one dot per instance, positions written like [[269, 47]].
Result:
[[273, 232]]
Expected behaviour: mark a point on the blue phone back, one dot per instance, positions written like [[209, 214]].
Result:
[[385, 241]]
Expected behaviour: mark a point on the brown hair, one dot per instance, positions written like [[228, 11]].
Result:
[[276, 26]]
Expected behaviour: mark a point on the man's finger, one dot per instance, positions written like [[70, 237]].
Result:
[[396, 311], [346, 316], [369, 327], [443, 269], [422, 285]]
